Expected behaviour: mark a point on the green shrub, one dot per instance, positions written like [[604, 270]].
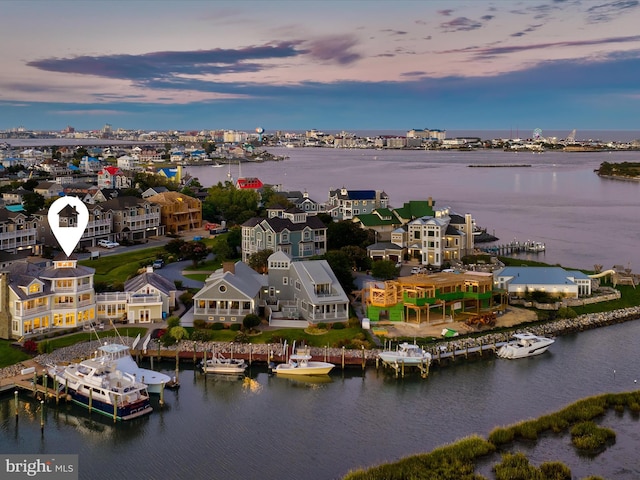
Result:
[[322, 326], [201, 335], [217, 326], [173, 322], [199, 324], [353, 322], [187, 299], [251, 321], [338, 326], [234, 327]]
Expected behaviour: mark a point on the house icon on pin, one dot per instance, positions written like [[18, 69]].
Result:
[[68, 217]]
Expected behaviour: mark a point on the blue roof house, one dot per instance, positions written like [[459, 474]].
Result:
[[556, 281]]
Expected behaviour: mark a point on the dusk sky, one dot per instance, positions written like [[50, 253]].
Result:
[[329, 65]]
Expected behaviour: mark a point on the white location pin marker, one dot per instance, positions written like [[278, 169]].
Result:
[[69, 228]]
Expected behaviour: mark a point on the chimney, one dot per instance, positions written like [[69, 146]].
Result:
[[229, 267], [430, 201]]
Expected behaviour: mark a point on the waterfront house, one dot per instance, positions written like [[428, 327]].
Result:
[[147, 297], [290, 230], [48, 189], [346, 204], [382, 221], [555, 281], [303, 293], [302, 201], [412, 298], [229, 294], [35, 299]]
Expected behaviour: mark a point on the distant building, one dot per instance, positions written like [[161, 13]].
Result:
[[344, 204]]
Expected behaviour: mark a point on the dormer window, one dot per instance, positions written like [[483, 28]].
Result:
[[35, 288]]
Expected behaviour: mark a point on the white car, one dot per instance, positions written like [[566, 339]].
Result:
[[108, 244], [415, 270]]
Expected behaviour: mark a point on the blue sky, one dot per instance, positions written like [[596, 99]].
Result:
[[330, 65]]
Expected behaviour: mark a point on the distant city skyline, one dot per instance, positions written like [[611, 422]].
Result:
[[330, 65]]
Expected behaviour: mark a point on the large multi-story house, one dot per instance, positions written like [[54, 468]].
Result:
[[178, 212], [435, 240], [113, 177], [35, 299], [346, 204], [292, 231], [293, 294], [302, 201], [134, 219], [18, 232]]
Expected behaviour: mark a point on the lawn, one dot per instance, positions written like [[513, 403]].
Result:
[[67, 340], [9, 355], [119, 268]]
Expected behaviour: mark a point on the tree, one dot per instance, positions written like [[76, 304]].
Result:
[[174, 246], [340, 263], [358, 256], [384, 269], [229, 203], [30, 184], [32, 202], [221, 249], [178, 333], [251, 321], [234, 240], [258, 260], [343, 233], [195, 251]]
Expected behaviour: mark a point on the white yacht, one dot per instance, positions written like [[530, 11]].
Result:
[[407, 354], [219, 364], [300, 363], [119, 354], [524, 345], [96, 384]]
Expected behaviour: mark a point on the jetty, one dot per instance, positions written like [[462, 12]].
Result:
[[529, 246]]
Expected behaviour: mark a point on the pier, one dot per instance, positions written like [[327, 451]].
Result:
[[515, 247]]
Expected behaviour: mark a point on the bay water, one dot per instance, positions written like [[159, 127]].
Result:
[[270, 427]]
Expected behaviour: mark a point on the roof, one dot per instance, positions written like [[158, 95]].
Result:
[[541, 275], [149, 278], [415, 209], [120, 203], [278, 224], [318, 272], [244, 279], [372, 220]]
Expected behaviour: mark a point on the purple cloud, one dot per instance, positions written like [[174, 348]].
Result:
[[460, 24], [446, 13], [333, 49], [606, 11], [167, 64]]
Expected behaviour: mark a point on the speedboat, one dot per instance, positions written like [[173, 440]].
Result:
[[300, 363], [407, 354], [220, 364], [119, 354], [96, 384], [524, 345]]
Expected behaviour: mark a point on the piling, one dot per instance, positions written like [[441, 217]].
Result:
[[35, 383], [15, 400], [41, 416], [364, 363], [115, 408], [161, 394], [343, 358], [90, 399]]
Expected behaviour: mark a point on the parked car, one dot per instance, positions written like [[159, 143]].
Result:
[[158, 263], [108, 244], [415, 270]]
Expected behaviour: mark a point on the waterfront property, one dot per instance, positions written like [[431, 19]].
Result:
[[555, 281], [346, 204], [292, 294], [411, 299]]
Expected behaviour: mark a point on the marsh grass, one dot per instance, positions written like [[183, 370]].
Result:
[[461, 456]]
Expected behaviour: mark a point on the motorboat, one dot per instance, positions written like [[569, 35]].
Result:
[[96, 384], [220, 364], [120, 355], [406, 353], [524, 345], [300, 363]]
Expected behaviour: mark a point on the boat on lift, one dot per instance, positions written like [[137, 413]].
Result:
[[524, 345]]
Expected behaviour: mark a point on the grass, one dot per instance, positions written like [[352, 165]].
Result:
[[9, 355], [461, 456], [119, 268]]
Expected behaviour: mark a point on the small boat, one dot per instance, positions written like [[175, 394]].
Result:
[[300, 363], [407, 354], [96, 384], [217, 165], [220, 364], [524, 345], [119, 354], [173, 384]]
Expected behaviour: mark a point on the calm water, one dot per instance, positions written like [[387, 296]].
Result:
[[559, 200], [277, 428], [221, 429]]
